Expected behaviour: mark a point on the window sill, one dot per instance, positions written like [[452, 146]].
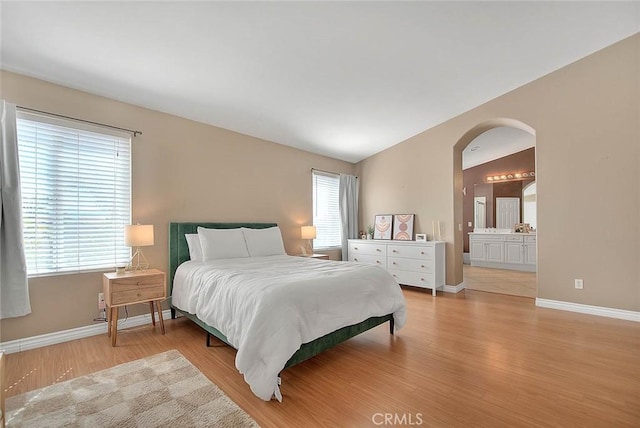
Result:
[[71, 272]]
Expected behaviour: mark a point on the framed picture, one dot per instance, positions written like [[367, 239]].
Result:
[[382, 226], [421, 237], [522, 228], [403, 227]]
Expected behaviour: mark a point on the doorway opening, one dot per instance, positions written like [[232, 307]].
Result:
[[498, 197]]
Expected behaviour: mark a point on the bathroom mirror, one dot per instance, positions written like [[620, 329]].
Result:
[[480, 212], [529, 196]]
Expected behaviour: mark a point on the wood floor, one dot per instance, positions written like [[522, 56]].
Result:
[[512, 282], [466, 359]]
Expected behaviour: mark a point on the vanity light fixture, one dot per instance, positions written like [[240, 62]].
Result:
[[512, 176]]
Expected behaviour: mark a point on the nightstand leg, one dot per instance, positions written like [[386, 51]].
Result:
[[114, 318], [153, 315], [160, 320], [108, 313]]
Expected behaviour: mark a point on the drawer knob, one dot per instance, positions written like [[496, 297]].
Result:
[[355, 260], [394, 263], [421, 279], [378, 249], [394, 275], [422, 266], [394, 251], [355, 248], [421, 252], [378, 261]]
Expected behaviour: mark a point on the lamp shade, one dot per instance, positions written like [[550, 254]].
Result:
[[138, 235], [308, 232]]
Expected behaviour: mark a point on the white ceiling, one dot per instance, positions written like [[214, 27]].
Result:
[[343, 79]]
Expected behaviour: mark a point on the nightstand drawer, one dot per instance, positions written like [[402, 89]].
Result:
[[136, 282], [137, 295]]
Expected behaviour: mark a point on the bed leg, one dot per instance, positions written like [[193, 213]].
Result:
[[391, 325], [173, 314], [208, 339]]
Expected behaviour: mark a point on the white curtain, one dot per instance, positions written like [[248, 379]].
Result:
[[14, 288], [348, 210]]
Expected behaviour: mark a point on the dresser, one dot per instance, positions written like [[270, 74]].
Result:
[[419, 264]]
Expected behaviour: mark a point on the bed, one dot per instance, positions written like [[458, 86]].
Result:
[[179, 255]]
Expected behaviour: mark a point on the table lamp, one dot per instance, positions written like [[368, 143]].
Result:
[[308, 233], [139, 235]]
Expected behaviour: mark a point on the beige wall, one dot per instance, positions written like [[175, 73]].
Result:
[[586, 119], [182, 170]]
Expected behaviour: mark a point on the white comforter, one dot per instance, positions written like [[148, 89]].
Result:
[[267, 307]]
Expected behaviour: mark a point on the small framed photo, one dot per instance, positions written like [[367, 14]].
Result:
[[522, 228], [421, 237], [403, 227], [382, 226]]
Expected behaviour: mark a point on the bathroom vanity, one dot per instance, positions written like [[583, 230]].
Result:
[[503, 249]]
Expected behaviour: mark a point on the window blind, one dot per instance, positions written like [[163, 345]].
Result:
[[326, 210], [76, 194]]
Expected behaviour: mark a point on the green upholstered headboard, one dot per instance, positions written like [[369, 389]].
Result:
[[178, 248]]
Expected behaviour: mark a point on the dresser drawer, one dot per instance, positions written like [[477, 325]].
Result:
[[411, 251], [416, 279], [415, 265], [368, 259], [367, 248], [530, 238], [136, 295]]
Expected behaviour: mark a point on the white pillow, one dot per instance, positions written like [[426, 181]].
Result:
[[222, 243], [264, 242], [195, 249]]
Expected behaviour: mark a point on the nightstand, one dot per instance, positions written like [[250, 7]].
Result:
[[133, 287], [318, 256]]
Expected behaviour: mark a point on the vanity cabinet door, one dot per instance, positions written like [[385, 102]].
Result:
[[477, 249], [530, 254], [513, 252], [494, 252]]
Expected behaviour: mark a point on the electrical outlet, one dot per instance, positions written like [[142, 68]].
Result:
[[579, 284], [101, 304]]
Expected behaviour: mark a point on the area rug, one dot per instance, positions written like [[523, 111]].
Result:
[[161, 390]]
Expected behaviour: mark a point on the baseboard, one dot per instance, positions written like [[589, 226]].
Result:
[[454, 288], [33, 342], [588, 309]]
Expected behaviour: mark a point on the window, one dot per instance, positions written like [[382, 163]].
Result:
[[326, 210], [76, 193]]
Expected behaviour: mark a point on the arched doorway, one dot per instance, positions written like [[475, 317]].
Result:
[[465, 196]]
